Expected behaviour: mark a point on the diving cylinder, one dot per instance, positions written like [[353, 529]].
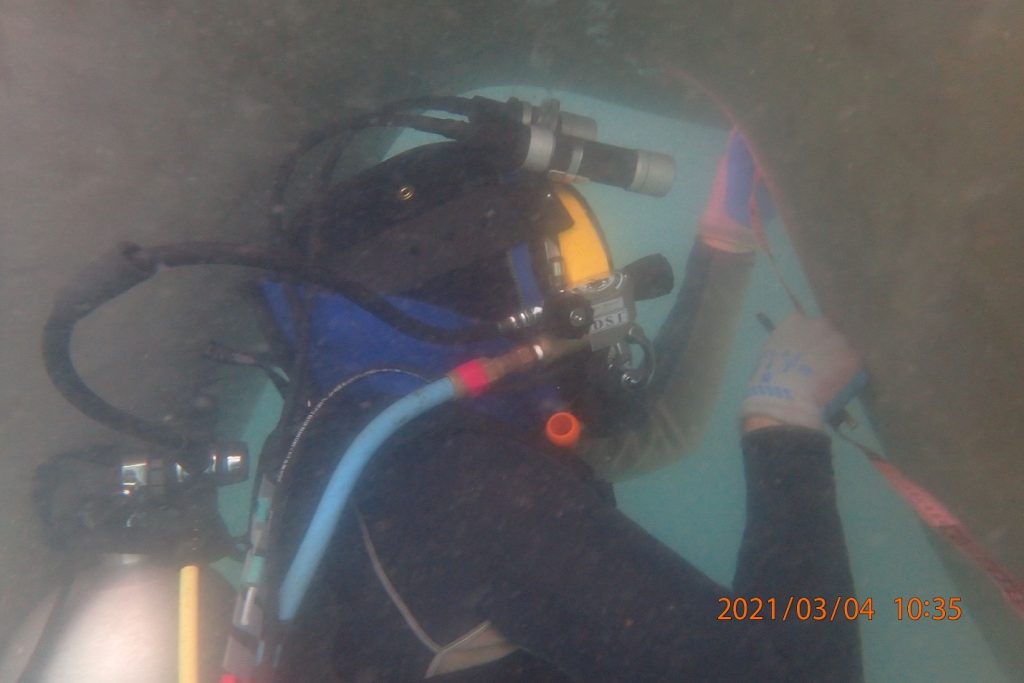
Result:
[[118, 622]]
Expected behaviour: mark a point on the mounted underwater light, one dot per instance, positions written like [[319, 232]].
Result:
[[549, 115], [563, 145], [569, 159]]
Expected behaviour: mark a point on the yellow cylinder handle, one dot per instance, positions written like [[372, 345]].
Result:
[[188, 624]]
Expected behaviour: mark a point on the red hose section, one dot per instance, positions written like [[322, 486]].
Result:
[[472, 375]]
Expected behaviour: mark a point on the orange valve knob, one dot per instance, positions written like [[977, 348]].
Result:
[[563, 429]]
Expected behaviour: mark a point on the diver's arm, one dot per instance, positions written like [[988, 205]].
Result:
[[573, 581], [692, 349], [694, 344], [794, 546], [649, 616]]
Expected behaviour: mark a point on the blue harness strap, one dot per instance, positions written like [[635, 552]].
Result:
[[345, 339], [526, 281]]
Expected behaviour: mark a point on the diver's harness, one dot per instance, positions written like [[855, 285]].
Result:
[[494, 139]]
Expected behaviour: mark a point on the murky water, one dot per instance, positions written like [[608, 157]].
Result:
[[890, 131]]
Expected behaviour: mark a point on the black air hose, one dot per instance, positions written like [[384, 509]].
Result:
[[387, 117], [104, 279], [279, 261], [129, 265]]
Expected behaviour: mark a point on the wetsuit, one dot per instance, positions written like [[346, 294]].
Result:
[[472, 524], [464, 522]]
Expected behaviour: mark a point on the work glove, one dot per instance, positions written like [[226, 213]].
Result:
[[726, 222], [806, 375]]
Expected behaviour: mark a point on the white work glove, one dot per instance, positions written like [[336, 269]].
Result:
[[806, 374]]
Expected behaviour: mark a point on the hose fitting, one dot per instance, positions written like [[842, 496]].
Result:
[[474, 377]]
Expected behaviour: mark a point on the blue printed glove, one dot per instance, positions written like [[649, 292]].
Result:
[[806, 374]]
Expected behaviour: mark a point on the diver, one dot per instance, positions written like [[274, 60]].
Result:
[[474, 549]]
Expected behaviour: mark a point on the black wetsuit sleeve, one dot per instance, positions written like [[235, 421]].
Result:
[[576, 583], [794, 545]]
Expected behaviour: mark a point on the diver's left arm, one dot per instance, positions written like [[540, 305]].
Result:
[[692, 348]]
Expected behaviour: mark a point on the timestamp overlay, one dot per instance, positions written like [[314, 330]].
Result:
[[839, 608]]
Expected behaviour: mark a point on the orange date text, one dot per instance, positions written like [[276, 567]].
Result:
[[794, 608]]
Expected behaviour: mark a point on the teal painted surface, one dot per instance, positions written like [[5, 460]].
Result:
[[696, 506], [234, 501]]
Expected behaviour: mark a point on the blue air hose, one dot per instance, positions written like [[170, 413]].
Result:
[[339, 488]]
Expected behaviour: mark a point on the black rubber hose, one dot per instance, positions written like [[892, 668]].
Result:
[[129, 265], [276, 260], [109, 276], [381, 308], [387, 116]]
